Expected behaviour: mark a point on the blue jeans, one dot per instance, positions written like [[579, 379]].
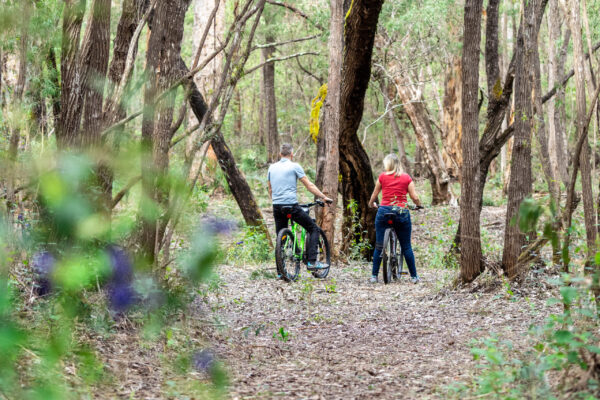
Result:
[[403, 228]]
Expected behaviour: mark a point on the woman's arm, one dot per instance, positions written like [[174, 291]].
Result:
[[413, 194], [375, 194]]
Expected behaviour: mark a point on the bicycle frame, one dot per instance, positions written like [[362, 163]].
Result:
[[299, 239]]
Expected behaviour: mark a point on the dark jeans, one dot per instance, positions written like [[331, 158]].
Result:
[[304, 220], [403, 228]]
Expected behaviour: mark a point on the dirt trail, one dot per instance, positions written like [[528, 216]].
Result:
[[350, 339], [361, 341]]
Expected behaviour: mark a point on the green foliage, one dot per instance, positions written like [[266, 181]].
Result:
[[359, 245], [251, 246], [565, 344], [282, 334]]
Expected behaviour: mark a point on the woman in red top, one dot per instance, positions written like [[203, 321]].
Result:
[[395, 185]]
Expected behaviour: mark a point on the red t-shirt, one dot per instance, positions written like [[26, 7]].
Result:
[[394, 189]]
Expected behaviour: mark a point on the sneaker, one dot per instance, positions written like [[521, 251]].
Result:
[[373, 279], [317, 265], [415, 279]]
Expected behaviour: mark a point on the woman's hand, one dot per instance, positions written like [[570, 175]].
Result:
[[373, 204]]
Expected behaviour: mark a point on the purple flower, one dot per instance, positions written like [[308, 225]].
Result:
[[121, 265], [43, 264], [216, 225], [121, 297], [203, 360], [121, 294]]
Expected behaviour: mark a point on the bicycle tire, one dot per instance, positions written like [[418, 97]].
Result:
[[400, 260], [396, 259], [388, 255], [324, 256], [288, 266]]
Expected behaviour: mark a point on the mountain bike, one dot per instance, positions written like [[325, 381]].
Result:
[[291, 251], [393, 262]]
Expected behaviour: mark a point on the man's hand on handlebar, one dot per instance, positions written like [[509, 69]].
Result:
[[327, 200]]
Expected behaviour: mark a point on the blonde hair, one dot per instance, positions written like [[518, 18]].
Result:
[[391, 163]]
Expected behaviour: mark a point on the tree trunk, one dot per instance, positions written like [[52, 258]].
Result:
[[162, 67], [520, 184], [332, 118], [556, 105], [399, 142], [355, 168], [94, 57], [71, 77], [586, 170], [451, 123], [539, 126], [470, 261], [414, 106], [206, 79], [492, 62], [270, 101]]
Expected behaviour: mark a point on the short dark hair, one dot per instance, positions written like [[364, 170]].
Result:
[[286, 149]]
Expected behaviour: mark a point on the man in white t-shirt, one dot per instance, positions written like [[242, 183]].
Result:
[[283, 179]]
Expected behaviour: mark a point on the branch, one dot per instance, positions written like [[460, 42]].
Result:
[[307, 72], [266, 45], [297, 11], [183, 79], [115, 100], [205, 33], [566, 78], [124, 191], [274, 59]]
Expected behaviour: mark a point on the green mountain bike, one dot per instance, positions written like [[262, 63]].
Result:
[[291, 251]]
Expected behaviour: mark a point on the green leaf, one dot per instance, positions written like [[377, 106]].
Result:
[[563, 337], [569, 294]]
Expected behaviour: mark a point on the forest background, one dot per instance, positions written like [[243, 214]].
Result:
[[136, 134]]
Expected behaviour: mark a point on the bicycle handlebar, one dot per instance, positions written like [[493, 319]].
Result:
[[315, 203]]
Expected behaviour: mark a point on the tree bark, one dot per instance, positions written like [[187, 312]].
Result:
[[355, 168], [520, 184], [206, 79], [71, 77], [270, 101], [539, 126], [332, 118], [94, 59], [556, 105], [470, 260], [162, 68], [414, 106], [451, 123], [580, 100], [492, 62]]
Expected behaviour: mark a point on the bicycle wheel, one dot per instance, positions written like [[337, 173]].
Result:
[[288, 265], [387, 259], [324, 256]]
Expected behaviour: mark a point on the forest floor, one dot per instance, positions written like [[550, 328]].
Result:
[[346, 338], [338, 338]]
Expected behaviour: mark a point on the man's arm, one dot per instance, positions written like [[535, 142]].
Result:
[[270, 190], [313, 189]]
